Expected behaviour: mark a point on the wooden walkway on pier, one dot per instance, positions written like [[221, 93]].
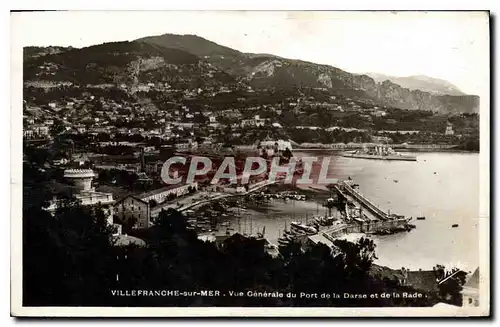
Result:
[[345, 189]]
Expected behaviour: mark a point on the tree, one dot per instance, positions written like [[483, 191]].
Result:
[[71, 259], [358, 256], [287, 153], [71, 253], [57, 128], [36, 156], [450, 284]]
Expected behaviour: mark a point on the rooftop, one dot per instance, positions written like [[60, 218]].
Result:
[[76, 173], [422, 280], [319, 238], [160, 190]]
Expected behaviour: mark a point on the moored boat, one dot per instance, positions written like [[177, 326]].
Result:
[[297, 228]]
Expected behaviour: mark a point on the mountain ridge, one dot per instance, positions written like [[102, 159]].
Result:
[[124, 62], [255, 68], [195, 61], [420, 82]]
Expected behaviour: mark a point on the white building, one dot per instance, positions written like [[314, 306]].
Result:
[[253, 122], [138, 206], [28, 133], [449, 130], [41, 130], [281, 145], [86, 194]]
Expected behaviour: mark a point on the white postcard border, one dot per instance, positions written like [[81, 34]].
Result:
[[16, 237]]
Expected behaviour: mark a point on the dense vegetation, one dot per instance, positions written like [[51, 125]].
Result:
[[103, 63]]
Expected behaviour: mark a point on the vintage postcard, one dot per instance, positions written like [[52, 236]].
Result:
[[250, 163]]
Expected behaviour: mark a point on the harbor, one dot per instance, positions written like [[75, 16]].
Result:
[[346, 213], [375, 178], [359, 215]]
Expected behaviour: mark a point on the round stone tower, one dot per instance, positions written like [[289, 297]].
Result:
[[81, 178]]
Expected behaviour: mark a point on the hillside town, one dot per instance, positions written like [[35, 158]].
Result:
[[126, 133], [188, 118]]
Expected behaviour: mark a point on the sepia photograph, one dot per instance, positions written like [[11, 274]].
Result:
[[250, 163]]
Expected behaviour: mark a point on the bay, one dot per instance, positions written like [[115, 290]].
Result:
[[443, 187]]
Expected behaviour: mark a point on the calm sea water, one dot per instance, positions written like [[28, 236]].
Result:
[[443, 187]]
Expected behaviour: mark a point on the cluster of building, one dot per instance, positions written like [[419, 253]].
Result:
[[138, 210], [140, 207], [99, 116], [94, 112]]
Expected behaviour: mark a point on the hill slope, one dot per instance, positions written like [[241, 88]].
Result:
[[124, 63], [269, 71], [190, 43], [188, 61], [420, 82], [33, 52]]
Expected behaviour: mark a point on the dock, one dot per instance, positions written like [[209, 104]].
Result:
[[348, 192], [366, 217]]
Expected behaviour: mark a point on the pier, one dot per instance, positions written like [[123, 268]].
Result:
[[371, 218], [345, 189]]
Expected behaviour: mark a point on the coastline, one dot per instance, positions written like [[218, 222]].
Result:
[[330, 147]]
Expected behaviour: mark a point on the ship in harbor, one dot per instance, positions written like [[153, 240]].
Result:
[[379, 152], [359, 215]]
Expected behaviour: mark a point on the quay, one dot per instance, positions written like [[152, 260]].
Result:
[[365, 216], [256, 187], [358, 215], [346, 191]]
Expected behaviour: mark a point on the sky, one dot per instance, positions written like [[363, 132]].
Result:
[[449, 45]]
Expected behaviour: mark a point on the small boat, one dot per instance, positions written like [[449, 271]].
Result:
[[421, 218], [396, 181], [454, 225], [300, 228], [283, 241], [271, 246]]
